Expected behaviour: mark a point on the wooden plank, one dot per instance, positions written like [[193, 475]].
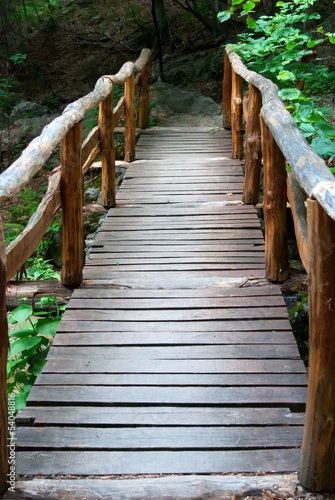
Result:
[[178, 352], [168, 279], [152, 438], [172, 338], [146, 462], [79, 325], [183, 380], [134, 267], [251, 291], [159, 415], [80, 365], [171, 246], [178, 315], [172, 303], [135, 259]]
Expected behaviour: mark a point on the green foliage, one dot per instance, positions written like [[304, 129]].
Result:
[[281, 49], [30, 341]]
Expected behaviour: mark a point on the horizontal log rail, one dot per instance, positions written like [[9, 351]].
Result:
[[273, 142]]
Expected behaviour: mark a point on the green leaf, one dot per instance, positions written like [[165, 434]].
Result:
[[47, 326], [251, 23], [20, 401], [323, 146], [325, 129], [286, 76], [38, 366], [237, 2], [22, 345], [224, 16], [21, 332], [307, 129], [249, 6], [20, 314], [331, 37], [289, 94]]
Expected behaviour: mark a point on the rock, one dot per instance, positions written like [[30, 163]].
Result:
[[91, 194], [27, 109], [171, 100]]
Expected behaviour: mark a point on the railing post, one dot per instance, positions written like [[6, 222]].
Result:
[[3, 368], [253, 148], [274, 163], [130, 116], [143, 108], [226, 93], [72, 207], [236, 115], [318, 457], [106, 132]]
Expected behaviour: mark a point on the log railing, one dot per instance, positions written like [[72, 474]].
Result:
[[65, 188], [273, 142]]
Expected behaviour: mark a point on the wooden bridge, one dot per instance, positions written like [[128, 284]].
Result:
[[175, 355]]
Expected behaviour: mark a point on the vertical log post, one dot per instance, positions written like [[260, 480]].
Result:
[[3, 368], [106, 133], [72, 207], [226, 93], [253, 148], [318, 450], [276, 252], [236, 115], [130, 114], [143, 108]]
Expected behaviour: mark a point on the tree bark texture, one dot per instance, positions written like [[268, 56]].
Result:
[[106, 132], [236, 115], [130, 115], [318, 450], [274, 206], [253, 148], [72, 208]]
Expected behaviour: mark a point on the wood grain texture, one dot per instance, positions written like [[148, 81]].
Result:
[[72, 208], [106, 132]]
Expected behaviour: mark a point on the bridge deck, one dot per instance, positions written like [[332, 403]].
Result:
[[175, 356]]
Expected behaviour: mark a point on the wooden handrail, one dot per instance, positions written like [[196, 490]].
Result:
[[282, 144], [100, 140]]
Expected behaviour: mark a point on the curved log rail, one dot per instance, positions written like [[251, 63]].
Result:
[[273, 141], [65, 188]]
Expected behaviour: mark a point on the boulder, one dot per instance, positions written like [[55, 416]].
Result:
[[169, 100]]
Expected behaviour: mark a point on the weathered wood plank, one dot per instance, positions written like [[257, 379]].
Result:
[[175, 366], [161, 380], [152, 438], [104, 462], [178, 315], [79, 325], [178, 352], [172, 303], [172, 338], [159, 415]]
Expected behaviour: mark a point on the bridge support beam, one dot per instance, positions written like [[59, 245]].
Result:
[[106, 132], [318, 450], [253, 148]]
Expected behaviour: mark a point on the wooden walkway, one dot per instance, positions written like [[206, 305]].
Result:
[[175, 356]]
